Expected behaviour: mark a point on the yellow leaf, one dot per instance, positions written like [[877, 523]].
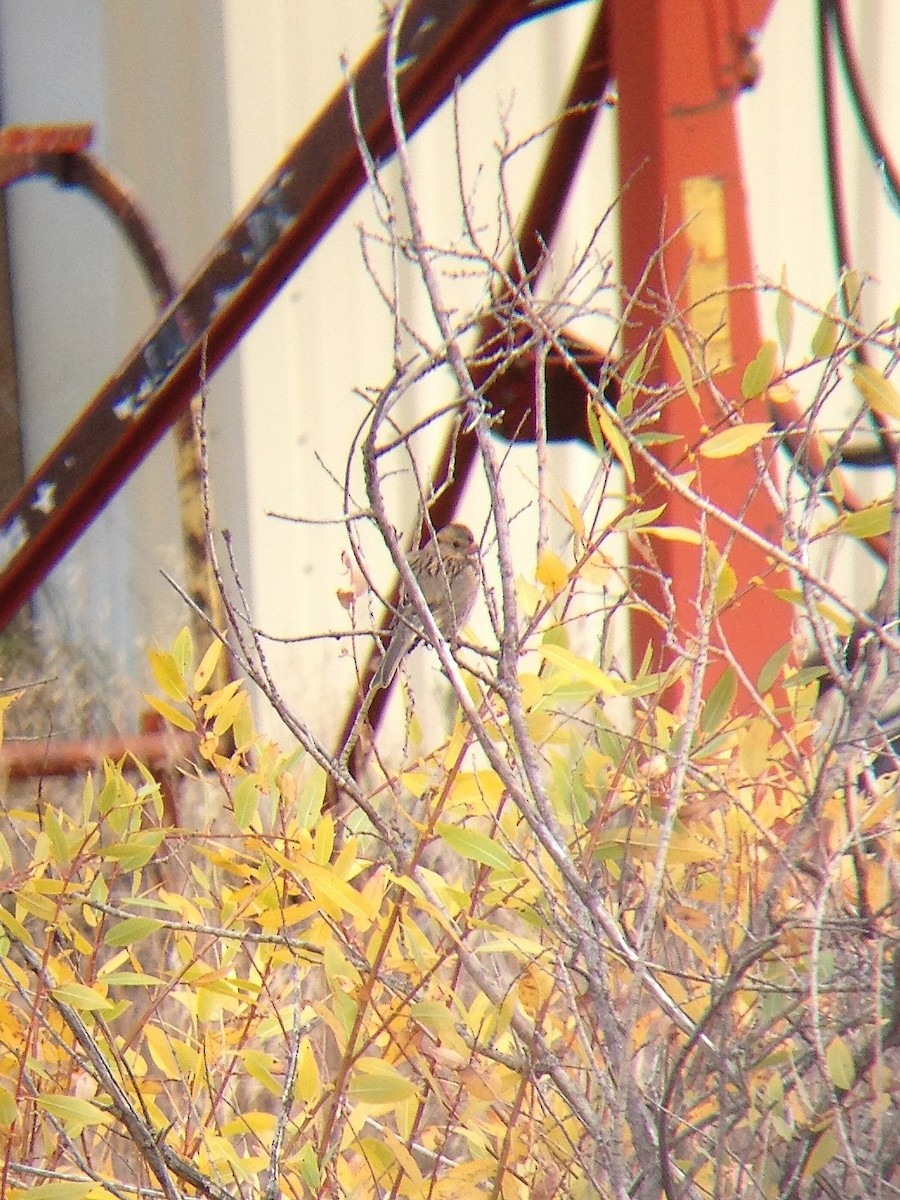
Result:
[[327, 885], [530, 990], [228, 713], [483, 790], [673, 533], [5, 702], [839, 1060], [755, 747], [73, 1189], [551, 572], [616, 441], [645, 843], [172, 715], [735, 439], [879, 393], [822, 1153], [782, 393], [682, 364], [309, 1081], [208, 665], [583, 670], [166, 673], [836, 486], [573, 515], [726, 585]]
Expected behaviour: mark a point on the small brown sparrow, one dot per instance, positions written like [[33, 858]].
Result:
[[447, 572]]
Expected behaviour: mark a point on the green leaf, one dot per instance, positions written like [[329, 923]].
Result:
[[879, 393], [594, 428], [137, 851], [59, 843], [309, 1168], [131, 930], [183, 652], [377, 1082], [771, 668], [851, 289], [15, 927], [246, 803], [311, 798], [682, 364], [632, 377], [826, 336], [784, 316], [759, 373], [719, 702], [433, 1016], [873, 521], [476, 846], [642, 516], [75, 1114], [130, 979], [615, 439], [82, 998]]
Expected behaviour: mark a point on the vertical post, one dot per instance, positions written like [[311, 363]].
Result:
[[680, 65]]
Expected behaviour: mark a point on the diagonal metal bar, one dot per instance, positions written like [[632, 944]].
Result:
[[442, 41]]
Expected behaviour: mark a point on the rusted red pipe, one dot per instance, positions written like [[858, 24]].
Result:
[[57, 757]]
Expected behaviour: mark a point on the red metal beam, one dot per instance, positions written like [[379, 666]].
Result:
[[680, 65], [442, 41]]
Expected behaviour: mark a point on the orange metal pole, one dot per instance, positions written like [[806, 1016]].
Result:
[[680, 65]]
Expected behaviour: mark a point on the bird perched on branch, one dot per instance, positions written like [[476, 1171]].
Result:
[[447, 572], [867, 716]]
